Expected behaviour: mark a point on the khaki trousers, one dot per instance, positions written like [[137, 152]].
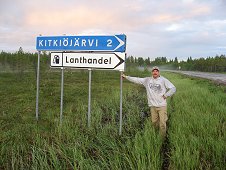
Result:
[[159, 118]]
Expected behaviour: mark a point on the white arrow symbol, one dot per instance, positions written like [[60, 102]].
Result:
[[121, 43]]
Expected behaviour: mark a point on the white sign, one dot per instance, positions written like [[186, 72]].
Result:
[[112, 61]]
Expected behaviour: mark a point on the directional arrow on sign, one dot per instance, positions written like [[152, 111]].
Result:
[[113, 43], [113, 61], [120, 61], [121, 43]]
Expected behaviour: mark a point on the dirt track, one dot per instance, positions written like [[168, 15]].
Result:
[[216, 77]]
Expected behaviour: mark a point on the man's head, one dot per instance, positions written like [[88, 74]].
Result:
[[155, 72]]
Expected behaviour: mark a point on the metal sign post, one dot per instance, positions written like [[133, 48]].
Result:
[[62, 94], [37, 89], [89, 100], [120, 121]]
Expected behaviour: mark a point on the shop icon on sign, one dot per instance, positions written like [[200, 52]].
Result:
[[56, 59]]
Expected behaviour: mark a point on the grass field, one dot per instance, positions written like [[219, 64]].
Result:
[[196, 134]]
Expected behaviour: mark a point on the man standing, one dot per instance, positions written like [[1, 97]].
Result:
[[158, 89]]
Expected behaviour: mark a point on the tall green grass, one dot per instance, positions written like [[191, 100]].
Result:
[[27, 144], [196, 125]]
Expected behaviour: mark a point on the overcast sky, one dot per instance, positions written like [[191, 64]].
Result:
[[154, 28]]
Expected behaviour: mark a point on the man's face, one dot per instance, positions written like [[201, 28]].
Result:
[[155, 73]]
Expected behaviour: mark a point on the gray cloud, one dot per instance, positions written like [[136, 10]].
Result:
[[169, 28]]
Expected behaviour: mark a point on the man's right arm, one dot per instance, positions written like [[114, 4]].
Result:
[[136, 80]]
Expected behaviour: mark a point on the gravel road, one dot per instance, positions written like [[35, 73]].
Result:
[[216, 77]]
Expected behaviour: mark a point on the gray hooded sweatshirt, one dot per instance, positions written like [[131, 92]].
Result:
[[155, 88]]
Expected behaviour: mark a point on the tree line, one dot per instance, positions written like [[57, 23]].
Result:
[[21, 61], [209, 64]]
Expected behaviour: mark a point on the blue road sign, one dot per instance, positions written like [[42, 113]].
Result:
[[114, 43]]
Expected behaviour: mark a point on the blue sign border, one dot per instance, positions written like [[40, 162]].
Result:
[[112, 43]]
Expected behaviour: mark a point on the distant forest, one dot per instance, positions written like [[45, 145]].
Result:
[[23, 61], [209, 64]]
